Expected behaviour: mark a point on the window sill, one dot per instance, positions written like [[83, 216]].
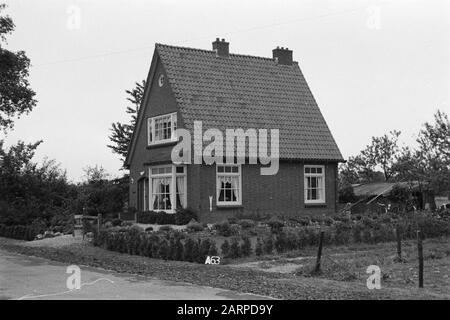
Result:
[[315, 205], [229, 206], [162, 144]]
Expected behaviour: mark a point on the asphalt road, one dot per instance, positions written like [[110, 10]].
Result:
[[23, 277]]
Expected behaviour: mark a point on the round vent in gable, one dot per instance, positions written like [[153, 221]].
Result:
[[161, 80]]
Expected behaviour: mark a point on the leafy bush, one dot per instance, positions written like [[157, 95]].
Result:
[[232, 220], [223, 228], [225, 248], [205, 245], [18, 232], [184, 216], [281, 242], [189, 250], [235, 251], [246, 247], [275, 225], [246, 223], [116, 222], [342, 233], [181, 217], [259, 247], [194, 227], [212, 249], [268, 245]]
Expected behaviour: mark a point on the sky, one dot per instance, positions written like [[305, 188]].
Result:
[[373, 66]]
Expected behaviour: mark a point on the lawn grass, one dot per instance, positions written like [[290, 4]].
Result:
[[349, 264]]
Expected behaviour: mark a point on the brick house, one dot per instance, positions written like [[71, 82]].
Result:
[[226, 90]]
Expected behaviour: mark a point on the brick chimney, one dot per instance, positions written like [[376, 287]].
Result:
[[282, 56], [222, 48]]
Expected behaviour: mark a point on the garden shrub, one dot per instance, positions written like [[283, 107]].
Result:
[[275, 225], [223, 228], [184, 216], [246, 247], [205, 244], [189, 251], [225, 248], [280, 242], [179, 250], [163, 250], [342, 232], [232, 220], [292, 242], [259, 247], [246, 223], [195, 227], [268, 245], [212, 249], [19, 232], [153, 217], [116, 222], [235, 250]]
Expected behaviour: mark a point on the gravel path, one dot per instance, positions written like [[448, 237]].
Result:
[[56, 242]]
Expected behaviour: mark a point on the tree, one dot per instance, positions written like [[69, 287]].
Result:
[[122, 132], [382, 153], [16, 96], [29, 190], [100, 194], [434, 151]]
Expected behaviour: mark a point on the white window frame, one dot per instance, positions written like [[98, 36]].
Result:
[[323, 187], [173, 175], [232, 174], [151, 129]]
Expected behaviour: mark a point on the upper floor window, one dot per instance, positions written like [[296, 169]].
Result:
[[314, 184], [228, 185], [162, 128]]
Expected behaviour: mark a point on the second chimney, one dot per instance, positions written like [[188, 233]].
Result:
[[222, 48], [282, 56]]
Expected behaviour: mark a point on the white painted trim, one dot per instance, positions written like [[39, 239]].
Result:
[[232, 174], [151, 122], [173, 175], [305, 175]]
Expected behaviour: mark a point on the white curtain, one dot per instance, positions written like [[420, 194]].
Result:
[[235, 186], [181, 191], [154, 191]]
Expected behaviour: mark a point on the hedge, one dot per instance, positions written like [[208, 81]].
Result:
[[18, 232], [168, 246], [181, 217]]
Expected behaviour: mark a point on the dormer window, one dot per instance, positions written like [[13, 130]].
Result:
[[161, 129]]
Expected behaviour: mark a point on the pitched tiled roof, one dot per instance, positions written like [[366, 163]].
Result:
[[249, 92]]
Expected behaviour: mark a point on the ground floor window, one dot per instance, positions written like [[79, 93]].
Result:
[[167, 188], [228, 185], [314, 184]]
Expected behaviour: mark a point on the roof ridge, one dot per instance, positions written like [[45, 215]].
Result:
[[212, 51]]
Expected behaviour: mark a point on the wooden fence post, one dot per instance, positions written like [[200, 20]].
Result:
[[420, 254], [319, 252], [399, 243]]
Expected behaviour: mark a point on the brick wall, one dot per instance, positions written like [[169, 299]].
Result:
[[161, 101], [280, 194]]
